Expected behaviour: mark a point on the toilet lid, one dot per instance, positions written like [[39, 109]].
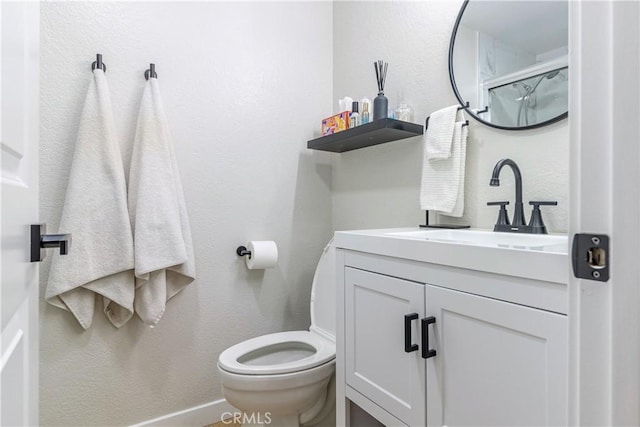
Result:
[[279, 353], [323, 294]]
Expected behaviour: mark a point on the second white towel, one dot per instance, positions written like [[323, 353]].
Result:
[[439, 135], [442, 186], [164, 261]]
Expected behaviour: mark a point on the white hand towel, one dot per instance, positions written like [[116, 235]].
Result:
[[439, 134], [164, 261], [100, 260], [442, 186]]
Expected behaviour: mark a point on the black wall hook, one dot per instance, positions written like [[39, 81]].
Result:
[[151, 72], [98, 63], [41, 241]]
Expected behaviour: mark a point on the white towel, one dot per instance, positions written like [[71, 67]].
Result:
[[164, 262], [100, 260], [442, 186], [439, 134]]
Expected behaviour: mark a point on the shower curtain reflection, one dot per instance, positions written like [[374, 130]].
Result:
[[529, 101]]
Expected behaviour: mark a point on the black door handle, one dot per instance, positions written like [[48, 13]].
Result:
[[408, 346], [426, 351], [41, 241]]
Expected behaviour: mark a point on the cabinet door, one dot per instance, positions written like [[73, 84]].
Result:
[[497, 363], [377, 365]]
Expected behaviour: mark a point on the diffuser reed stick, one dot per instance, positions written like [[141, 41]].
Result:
[[381, 73], [380, 103]]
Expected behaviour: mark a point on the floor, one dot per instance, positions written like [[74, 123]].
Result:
[[227, 423]]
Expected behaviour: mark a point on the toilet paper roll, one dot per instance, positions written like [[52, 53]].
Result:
[[264, 254]]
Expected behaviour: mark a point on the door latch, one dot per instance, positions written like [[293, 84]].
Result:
[[590, 256], [41, 241]]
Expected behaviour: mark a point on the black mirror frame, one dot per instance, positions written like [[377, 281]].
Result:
[[464, 105]]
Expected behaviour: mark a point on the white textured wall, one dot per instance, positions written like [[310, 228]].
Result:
[[379, 186], [244, 86]]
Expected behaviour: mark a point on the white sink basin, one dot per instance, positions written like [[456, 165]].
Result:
[[533, 242]]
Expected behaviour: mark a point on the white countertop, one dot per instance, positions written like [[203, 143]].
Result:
[[539, 262]]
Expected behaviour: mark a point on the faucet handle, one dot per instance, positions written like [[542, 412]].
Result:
[[536, 224], [503, 216], [537, 204]]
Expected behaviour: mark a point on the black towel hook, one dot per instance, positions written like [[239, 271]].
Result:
[[151, 72], [98, 63]]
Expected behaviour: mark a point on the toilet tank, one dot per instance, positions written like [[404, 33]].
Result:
[[323, 295]]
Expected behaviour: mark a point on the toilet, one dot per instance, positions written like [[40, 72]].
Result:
[[286, 379]]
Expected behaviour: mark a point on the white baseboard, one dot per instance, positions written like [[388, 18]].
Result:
[[198, 416]]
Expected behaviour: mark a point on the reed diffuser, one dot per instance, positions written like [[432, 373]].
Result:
[[380, 103]]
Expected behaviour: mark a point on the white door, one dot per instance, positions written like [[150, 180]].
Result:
[[496, 363], [19, 70], [604, 114], [377, 362]]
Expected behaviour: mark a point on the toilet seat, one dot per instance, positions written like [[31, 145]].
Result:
[[279, 353], [293, 351]]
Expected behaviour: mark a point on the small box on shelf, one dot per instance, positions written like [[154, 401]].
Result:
[[336, 123]]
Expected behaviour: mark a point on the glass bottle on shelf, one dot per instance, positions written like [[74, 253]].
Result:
[[364, 117], [354, 118], [403, 112]]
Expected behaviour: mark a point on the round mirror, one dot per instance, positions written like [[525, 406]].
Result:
[[508, 62]]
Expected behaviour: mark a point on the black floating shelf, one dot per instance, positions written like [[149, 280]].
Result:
[[374, 133]]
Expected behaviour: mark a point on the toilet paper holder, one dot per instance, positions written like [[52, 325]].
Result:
[[242, 251], [262, 254]]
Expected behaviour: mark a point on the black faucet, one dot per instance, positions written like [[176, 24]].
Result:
[[519, 224], [518, 210]]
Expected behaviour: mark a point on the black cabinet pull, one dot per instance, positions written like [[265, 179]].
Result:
[[426, 351], [408, 346]]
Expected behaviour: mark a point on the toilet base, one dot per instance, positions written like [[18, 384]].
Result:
[[322, 416], [326, 417], [267, 419]]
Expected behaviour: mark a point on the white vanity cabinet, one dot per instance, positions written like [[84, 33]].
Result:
[[499, 361], [496, 363], [376, 363]]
